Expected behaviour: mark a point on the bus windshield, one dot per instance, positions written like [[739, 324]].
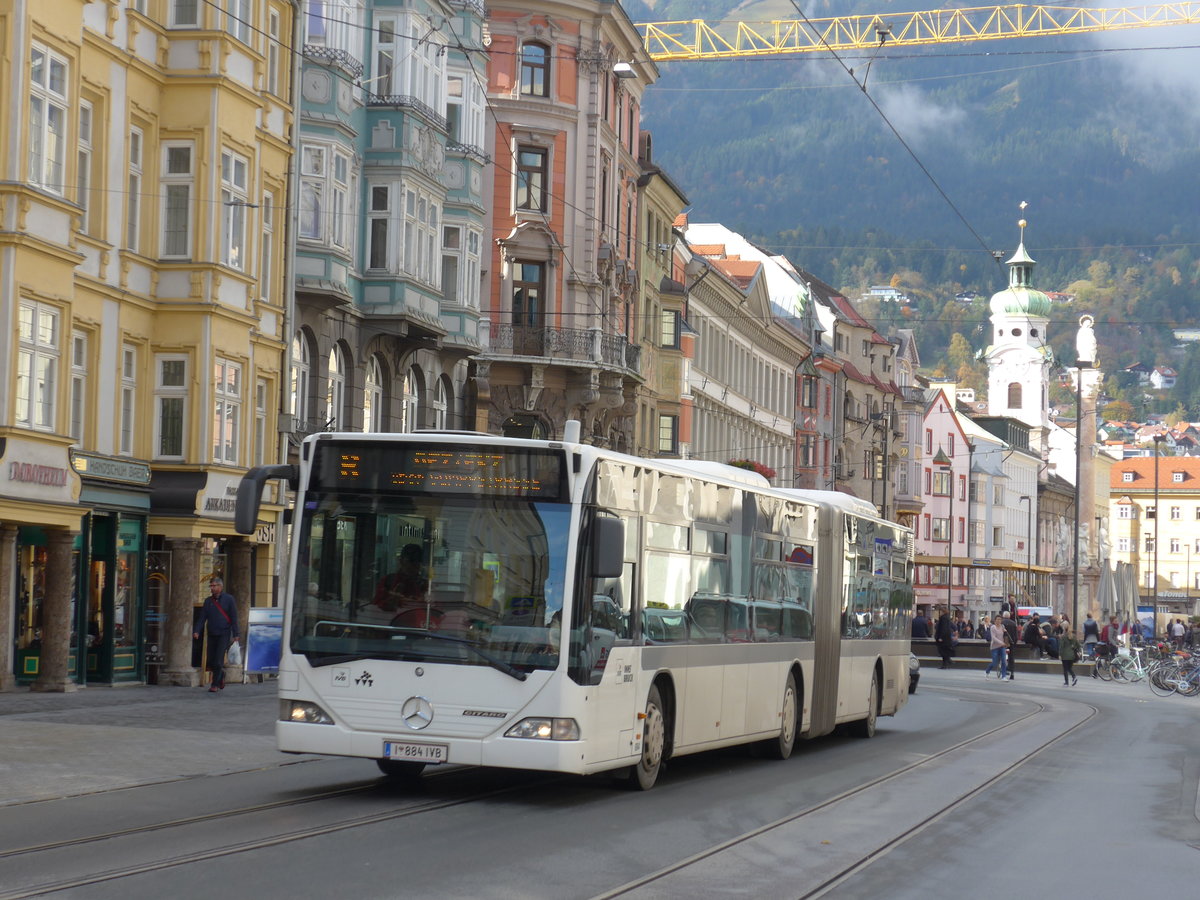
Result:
[[430, 577]]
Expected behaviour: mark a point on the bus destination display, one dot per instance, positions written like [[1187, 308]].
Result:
[[483, 471]]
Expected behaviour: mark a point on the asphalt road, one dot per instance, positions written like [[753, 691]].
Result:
[[975, 786]]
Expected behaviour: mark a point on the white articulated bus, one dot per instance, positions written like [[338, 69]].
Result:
[[465, 598]]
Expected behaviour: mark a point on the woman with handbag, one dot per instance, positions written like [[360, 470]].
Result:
[[998, 637]]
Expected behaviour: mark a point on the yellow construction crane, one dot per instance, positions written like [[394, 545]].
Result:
[[696, 39]]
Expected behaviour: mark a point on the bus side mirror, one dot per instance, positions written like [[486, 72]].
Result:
[[608, 547], [249, 494]]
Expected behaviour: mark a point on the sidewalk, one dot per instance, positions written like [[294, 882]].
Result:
[[105, 738]]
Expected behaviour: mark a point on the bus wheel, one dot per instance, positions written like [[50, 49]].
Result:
[[780, 746], [865, 728], [654, 739], [399, 768]]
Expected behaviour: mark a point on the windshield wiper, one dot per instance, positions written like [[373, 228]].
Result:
[[334, 660], [497, 664]]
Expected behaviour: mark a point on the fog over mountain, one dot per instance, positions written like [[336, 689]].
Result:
[[1100, 134]]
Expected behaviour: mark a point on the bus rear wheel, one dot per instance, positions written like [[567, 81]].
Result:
[[644, 773], [781, 746], [399, 768], [865, 728]]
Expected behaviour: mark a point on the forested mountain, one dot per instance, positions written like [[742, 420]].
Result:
[[1102, 142]]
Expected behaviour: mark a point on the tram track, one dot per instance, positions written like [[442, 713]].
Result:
[[236, 847], [831, 880]]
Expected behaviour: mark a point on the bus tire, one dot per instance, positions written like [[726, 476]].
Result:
[[644, 772], [781, 746], [865, 728], [400, 768]]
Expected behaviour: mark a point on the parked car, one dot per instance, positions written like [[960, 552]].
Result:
[[914, 672]]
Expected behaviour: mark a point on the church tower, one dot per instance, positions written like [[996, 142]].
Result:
[[1019, 358]]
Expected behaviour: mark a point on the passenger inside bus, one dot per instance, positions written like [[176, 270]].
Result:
[[404, 586]]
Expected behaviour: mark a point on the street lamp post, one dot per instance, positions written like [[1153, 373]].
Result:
[[942, 461], [1025, 498], [1158, 439]]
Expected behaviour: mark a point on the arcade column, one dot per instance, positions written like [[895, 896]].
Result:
[[181, 599], [53, 670], [8, 553]]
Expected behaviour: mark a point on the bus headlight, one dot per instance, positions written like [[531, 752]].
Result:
[[545, 730], [302, 711]]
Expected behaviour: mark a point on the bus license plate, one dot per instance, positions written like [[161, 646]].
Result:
[[426, 753]]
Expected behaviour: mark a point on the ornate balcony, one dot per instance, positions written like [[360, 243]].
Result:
[[589, 345], [398, 101]]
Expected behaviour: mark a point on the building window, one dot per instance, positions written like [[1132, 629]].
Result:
[[421, 234], [1176, 513], [997, 494], [441, 403], [273, 52], [79, 386], [298, 392], [341, 206], [373, 397], [668, 434], [379, 220], [669, 335], [260, 422], [1014, 395], [1129, 511], [1174, 545], [460, 265], [535, 70], [1127, 476], [532, 171], [177, 201], [1123, 545], [227, 410], [410, 402], [266, 253], [997, 536], [237, 19], [941, 529], [83, 174], [941, 483], [528, 296], [128, 399], [312, 193], [47, 118], [185, 13], [233, 204], [385, 57], [133, 197], [170, 397], [1177, 477], [335, 389], [37, 365]]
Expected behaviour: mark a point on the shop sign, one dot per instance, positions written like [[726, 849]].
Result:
[[219, 497], [265, 533], [109, 469], [31, 470]]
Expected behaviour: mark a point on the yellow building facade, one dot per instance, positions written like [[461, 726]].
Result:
[[143, 220]]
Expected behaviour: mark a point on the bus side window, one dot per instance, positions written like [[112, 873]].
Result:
[[707, 618]]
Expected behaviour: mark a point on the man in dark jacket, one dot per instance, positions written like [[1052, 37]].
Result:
[[219, 617], [1011, 627], [1033, 635], [943, 636]]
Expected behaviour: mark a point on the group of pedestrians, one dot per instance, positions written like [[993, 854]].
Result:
[[1052, 638]]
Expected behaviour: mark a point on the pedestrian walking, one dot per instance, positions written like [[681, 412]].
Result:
[[998, 642], [1010, 628], [943, 636], [1068, 652], [218, 617]]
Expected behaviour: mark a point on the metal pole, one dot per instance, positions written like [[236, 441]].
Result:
[[1158, 439], [1078, 487], [1025, 498]]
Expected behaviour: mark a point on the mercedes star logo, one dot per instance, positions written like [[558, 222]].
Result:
[[417, 713]]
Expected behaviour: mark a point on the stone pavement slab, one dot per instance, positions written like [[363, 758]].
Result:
[[101, 738]]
